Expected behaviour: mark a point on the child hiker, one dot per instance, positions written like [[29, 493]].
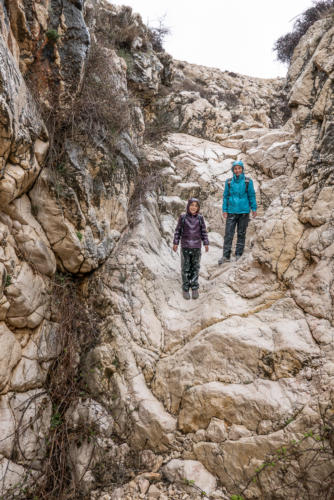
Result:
[[238, 200], [191, 231]]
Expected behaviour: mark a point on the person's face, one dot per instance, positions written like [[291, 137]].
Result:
[[193, 208], [237, 170]]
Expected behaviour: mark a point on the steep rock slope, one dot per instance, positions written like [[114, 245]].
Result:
[[201, 392]]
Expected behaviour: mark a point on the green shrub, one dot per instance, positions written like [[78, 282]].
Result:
[[128, 58], [56, 419], [52, 36]]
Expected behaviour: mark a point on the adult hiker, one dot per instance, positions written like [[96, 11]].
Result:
[[238, 200]]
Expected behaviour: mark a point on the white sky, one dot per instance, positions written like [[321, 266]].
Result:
[[234, 35]]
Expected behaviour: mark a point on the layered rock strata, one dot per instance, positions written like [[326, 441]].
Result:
[[188, 398]]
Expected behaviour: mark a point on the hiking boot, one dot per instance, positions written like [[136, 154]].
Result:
[[195, 294], [237, 257], [223, 260], [186, 295]]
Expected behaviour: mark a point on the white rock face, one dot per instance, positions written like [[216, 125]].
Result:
[[194, 390], [10, 354], [190, 470], [230, 365]]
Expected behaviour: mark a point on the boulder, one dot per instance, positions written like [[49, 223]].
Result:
[[190, 472]]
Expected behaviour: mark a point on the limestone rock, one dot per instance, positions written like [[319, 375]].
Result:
[[146, 71], [192, 471], [90, 413], [27, 297], [216, 430], [10, 354], [255, 402], [43, 345], [12, 476], [210, 387], [28, 375], [30, 237], [21, 127], [278, 239], [153, 492], [236, 350], [30, 445]]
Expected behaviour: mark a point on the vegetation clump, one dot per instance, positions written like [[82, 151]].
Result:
[[78, 332], [158, 34], [286, 44], [303, 465], [52, 36]]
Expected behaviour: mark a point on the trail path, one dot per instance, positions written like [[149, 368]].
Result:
[[226, 373]]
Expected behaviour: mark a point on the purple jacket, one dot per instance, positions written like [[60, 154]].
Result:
[[194, 232]]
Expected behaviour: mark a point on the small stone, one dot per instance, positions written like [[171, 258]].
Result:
[[265, 427], [132, 485], [219, 495], [216, 430], [158, 464], [153, 492], [151, 476], [144, 485], [193, 470], [200, 435], [238, 431], [148, 459], [118, 494]]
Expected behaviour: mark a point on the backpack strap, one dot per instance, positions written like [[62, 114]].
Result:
[[228, 190], [183, 218], [247, 179], [229, 186]]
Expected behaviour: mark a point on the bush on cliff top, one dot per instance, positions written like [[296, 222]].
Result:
[[120, 31], [286, 44], [158, 34]]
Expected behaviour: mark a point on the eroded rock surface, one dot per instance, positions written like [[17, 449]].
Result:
[[177, 398]]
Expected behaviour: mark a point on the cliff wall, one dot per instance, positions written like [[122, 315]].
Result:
[[112, 386]]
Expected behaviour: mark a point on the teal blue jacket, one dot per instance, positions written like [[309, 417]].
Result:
[[236, 200]]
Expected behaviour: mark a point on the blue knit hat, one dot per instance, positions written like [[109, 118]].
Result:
[[239, 162]]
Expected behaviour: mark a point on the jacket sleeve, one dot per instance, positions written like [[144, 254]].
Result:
[[177, 233], [225, 197], [204, 233], [251, 196]]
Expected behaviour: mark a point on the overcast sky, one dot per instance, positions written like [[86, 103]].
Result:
[[234, 35]]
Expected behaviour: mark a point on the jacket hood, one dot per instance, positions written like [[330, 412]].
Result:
[[191, 200], [243, 169], [239, 177]]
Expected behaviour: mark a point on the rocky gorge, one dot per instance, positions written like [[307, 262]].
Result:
[[112, 386]]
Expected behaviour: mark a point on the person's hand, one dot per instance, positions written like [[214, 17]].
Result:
[[225, 215], [254, 214], [206, 248], [175, 248]]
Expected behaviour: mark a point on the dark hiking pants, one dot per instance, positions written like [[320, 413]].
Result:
[[233, 220], [190, 263]]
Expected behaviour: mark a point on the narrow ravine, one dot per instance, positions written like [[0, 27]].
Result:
[[112, 386]]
